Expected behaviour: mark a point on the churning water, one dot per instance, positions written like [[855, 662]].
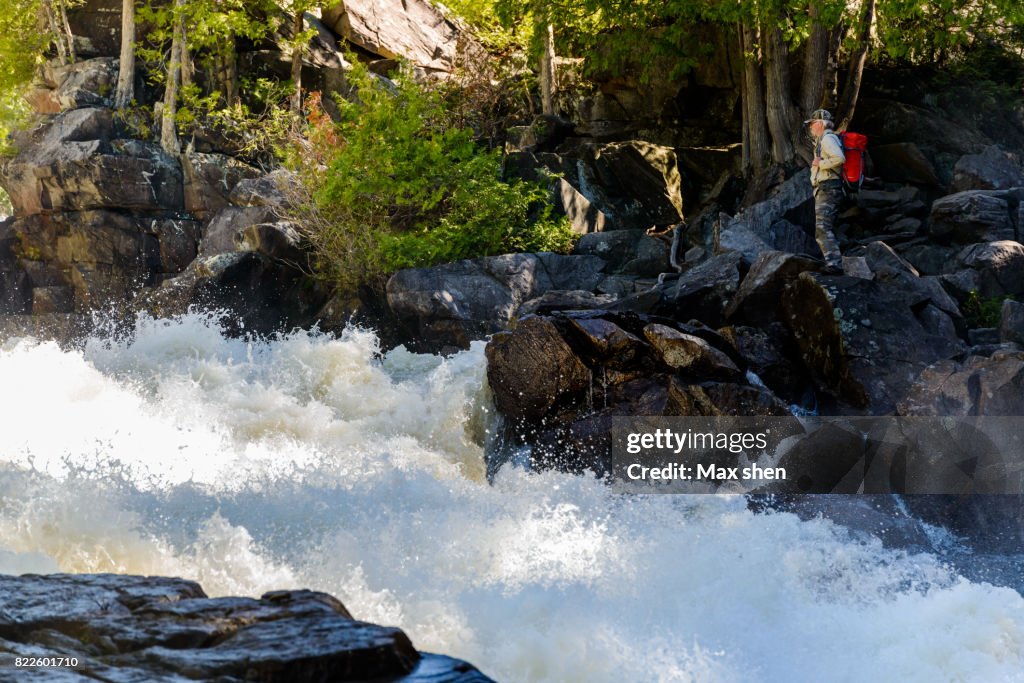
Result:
[[308, 461]]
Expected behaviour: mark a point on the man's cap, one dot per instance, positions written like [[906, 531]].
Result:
[[819, 115]]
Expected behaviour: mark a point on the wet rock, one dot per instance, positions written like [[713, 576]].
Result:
[[607, 343], [757, 299], [825, 458], [689, 354], [1011, 326], [768, 352], [703, 292], [134, 628], [531, 368], [260, 294], [455, 303], [990, 169], [971, 216], [709, 399], [865, 341]]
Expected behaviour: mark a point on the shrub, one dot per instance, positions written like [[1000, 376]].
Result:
[[398, 183]]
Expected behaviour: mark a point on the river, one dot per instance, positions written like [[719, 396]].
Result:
[[309, 461]]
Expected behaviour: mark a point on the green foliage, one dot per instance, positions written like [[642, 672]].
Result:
[[21, 52], [403, 185], [979, 312]]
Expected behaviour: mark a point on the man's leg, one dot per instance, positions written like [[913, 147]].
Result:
[[826, 206]]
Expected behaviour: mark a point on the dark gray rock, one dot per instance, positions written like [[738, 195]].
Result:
[[565, 300], [1011, 325], [627, 252], [866, 341], [209, 180], [272, 189], [703, 292], [455, 303], [769, 352], [998, 267], [990, 169], [905, 163], [751, 231], [971, 216], [134, 628], [759, 295]]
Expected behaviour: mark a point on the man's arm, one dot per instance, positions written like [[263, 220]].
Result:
[[831, 153]]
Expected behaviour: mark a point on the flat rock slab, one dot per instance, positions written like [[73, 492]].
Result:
[[136, 628]]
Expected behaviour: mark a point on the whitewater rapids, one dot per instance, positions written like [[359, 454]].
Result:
[[313, 462]]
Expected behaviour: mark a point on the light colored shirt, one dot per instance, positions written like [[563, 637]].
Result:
[[830, 150]]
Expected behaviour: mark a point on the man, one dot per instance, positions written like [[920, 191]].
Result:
[[826, 179]]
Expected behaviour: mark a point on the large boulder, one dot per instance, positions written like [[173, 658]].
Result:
[[971, 216], [634, 184], [531, 369], [769, 225], [716, 399], [452, 304], [980, 385], [866, 341], [690, 354], [1011, 324], [88, 83], [210, 179], [74, 162], [994, 269], [757, 300], [139, 628], [627, 252], [703, 292], [904, 162], [416, 30], [990, 169]]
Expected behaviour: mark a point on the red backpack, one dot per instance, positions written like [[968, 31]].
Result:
[[854, 146]]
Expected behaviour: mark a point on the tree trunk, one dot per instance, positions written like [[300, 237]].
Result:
[[781, 114], [851, 91], [168, 134], [66, 26], [547, 72], [297, 28], [58, 35], [756, 150], [830, 98], [126, 63], [812, 86]]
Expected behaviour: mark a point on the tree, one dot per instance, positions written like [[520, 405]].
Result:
[[126, 63]]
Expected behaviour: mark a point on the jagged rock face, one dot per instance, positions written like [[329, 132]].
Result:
[[705, 291], [452, 304], [88, 83], [77, 162], [757, 300], [627, 252], [866, 340], [689, 354], [411, 29], [715, 399], [1011, 324], [152, 628], [632, 185], [769, 225], [979, 386], [994, 269], [971, 216], [991, 169]]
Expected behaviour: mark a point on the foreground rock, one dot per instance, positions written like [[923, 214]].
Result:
[[135, 628]]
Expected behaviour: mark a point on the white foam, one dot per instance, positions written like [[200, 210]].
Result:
[[312, 462]]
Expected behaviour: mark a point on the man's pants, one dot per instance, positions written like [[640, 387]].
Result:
[[827, 197]]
